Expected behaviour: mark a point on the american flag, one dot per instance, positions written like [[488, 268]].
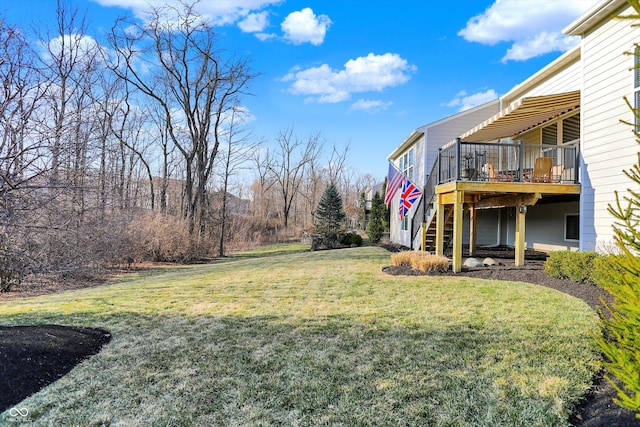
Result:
[[410, 193], [394, 182]]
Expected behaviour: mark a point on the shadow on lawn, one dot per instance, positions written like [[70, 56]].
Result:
[[330, 368]]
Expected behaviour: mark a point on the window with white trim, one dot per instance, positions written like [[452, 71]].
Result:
[[572, 227], [407, 164]]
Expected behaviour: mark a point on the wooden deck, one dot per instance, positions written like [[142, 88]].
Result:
[[487, 195]]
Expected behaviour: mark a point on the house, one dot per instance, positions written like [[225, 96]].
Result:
[[369, 192], [541, 172], [419, 152]]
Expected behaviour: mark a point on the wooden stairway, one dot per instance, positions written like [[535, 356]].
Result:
[[448, 230]]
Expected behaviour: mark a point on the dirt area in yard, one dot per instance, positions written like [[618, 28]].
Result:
[[33, 357]]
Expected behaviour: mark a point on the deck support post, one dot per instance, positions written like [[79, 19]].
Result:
[[473, 229], [521, 213], [440, 227], [458, 209]]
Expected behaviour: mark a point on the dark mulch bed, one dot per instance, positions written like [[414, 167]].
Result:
[[32, 357], [598, 410]]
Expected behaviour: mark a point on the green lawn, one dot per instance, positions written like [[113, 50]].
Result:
[[298, 338]]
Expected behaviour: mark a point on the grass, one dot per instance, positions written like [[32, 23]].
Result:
[[323, 338]]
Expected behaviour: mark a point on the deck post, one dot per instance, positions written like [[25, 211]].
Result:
[[458, 155], [473, 224], [576, 168], [439, 166], [458, 208], [440, 227], [424, 236], [521, 213], [520, 161]]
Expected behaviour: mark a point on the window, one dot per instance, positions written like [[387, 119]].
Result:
[[407, 163], [572, 227], [571, 129], [550, 134], [405, 223]]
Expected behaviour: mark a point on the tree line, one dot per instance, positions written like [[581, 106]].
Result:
[[135, 145]]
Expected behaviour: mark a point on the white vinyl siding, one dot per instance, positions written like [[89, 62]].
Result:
[[608, 146], [444, 131], [564, 80]]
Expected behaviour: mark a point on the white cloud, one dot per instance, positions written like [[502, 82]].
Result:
[[465, 102], [539, 45], [254, 22], [533, 26], [363, 74], [305, 27], [372, 106], [218, 12]]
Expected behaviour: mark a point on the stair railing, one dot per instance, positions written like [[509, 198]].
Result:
[[424, 211]]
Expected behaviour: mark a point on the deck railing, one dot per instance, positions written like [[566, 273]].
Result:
[[508, 162]]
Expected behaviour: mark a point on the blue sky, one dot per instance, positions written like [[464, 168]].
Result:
[[363, 72]]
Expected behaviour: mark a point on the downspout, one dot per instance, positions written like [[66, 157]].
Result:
[[499, 227]]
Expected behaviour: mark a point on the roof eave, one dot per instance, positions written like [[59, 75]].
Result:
[[592, 17], [408, 141]]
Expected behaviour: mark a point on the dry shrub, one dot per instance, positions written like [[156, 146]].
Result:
[[422, 261], [401, 258], [426, 262], [161, 238]]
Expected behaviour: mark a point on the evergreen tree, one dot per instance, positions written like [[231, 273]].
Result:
[[620, 340], [376, 221], [387, 211], [330, 216]]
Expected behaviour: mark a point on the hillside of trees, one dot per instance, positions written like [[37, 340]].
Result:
[[133, 145]]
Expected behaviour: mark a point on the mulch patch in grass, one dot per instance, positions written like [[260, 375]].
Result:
[[32, 357]]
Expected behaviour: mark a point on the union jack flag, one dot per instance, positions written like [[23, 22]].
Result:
[[410, 193]]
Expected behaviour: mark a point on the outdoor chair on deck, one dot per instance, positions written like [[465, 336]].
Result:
[[541, 170], [490, 174], [556, 173]]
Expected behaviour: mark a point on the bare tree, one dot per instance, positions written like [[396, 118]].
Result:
[[290, 163], [237, 151], [22, 154], [190, 80]]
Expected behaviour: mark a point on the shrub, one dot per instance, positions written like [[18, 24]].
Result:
[[605, 270], [422, 261], [427, 263], [351, 239], [576, 266], [401, 258]]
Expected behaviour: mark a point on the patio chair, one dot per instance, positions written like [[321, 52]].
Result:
[[556, 173], [490, 174], [541, 170]]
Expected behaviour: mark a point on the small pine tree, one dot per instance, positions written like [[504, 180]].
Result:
[[387, 211], [620, 340], [376, 222], [330, 216]]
